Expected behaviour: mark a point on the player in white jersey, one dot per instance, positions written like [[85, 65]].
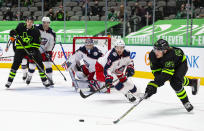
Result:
[[117, 64], [83, 63], [48, 40]]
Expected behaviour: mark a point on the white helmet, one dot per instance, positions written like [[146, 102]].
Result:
[[119, 42], [45, 19]]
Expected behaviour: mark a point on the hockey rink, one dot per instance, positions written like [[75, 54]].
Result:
[[34, 108]]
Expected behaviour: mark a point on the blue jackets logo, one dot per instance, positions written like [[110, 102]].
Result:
[[132, 55]]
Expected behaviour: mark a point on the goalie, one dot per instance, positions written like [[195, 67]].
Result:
[[82, 64], [116, 64]]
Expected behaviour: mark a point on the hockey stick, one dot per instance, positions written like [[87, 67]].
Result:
[[129, 110], [53, 63], [105, 86], [70, 71], [20, 40], [6, 57]]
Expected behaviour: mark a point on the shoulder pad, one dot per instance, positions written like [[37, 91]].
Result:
[[126, 53]]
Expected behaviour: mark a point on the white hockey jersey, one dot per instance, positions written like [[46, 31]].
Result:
[[89, 58], [115, 64], [48, 39]]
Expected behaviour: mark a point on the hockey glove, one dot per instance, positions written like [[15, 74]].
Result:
[[122, 78], [13, 33], [130, 70], [150, 90], [109, 80]]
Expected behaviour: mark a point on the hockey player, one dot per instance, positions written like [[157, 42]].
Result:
[[28, 38], [12, 41], [116, 64], [169, 63], [48, 40], [83, 63]]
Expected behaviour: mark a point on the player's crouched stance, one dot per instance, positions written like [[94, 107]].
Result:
[[116, 64], [169, 63], [82, 66]]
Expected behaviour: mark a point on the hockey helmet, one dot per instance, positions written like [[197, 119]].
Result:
[[161, 44], [45, 19], [89, 41], [119, 42]]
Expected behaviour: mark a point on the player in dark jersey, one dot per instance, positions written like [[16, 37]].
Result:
[[28, 37], [24, 63], [169, 63]]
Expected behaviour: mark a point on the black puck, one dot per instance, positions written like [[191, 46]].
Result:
[[81, 120]]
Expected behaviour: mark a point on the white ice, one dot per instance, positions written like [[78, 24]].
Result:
[[34, 108]]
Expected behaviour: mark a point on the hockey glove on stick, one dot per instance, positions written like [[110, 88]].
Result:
[[150, 90], [109, 80], [130, 70]]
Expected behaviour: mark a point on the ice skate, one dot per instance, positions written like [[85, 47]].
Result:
[[130, 97], [195, 86]]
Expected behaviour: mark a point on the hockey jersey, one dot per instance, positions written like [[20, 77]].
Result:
[[30, 37], [86, 57], [113, 63], [164, 68], [48, 39]]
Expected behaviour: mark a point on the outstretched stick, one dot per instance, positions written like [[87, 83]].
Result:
[[128, 111], [53, 63], [70, 71], [105, 86]]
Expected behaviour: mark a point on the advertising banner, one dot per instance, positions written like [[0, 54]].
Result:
[[174, 31], [72, 29]]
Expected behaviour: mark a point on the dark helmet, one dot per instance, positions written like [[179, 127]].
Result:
[[161, 44], [29, 18]]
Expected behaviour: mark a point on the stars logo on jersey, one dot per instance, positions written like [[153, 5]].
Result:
[[169, 64]]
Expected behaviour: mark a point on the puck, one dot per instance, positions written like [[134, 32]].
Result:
[[81, 120]]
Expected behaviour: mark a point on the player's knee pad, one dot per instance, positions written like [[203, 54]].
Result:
[[176, 84], [48, 70], [24, 61], [80, 75], [31, 67]]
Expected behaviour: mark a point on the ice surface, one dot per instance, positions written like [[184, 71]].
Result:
[[34, 108]]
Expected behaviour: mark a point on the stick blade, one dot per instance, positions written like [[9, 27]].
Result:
[[82, 94], [116, 121]]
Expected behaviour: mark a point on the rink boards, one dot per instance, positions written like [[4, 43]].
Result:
[[140, 55]]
